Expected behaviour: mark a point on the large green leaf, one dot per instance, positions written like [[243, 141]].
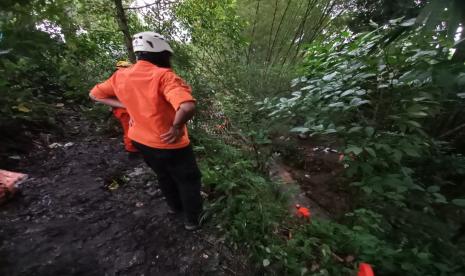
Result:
[[300, 129], [459, 202], [353, 149]]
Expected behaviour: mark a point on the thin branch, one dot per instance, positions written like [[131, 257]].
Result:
[[271, 29], [253, 31], [140, 7], [316, 29], [283, 43], [277, 31], [453, 131], [299, 29]]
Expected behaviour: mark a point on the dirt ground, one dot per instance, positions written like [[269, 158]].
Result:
[[321, 178], [313, 168], [88, 209]]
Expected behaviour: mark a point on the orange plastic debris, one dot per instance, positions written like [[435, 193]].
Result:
[[8, 181], [302, 211], [365, 269]]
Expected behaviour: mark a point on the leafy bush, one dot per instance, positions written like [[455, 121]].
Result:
[[381, 93], [252, 212]]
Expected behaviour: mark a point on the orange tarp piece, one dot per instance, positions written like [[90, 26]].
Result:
[[365, 270], [8, 182]]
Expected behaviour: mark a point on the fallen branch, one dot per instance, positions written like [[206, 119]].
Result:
[[453, 131]]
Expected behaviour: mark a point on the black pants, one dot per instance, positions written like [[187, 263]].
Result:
[[178, 177]]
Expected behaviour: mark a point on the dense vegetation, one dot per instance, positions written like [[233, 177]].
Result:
[[383, 81]]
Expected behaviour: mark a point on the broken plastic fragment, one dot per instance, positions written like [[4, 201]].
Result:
[[8, 183], [302, 212], [365, 269]]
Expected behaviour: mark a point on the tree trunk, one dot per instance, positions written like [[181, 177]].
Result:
[[123, 25], [459, 55]]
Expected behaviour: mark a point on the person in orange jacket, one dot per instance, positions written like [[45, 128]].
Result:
[[160, 104], [122, 115]]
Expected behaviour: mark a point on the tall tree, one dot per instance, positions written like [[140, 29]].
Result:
[[123, 25]]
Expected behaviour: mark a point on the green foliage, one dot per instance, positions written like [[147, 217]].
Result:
[[276, 30], [380, 96], [46, 62], [438, 12], [252, 212], [242, 58], [360, 14]]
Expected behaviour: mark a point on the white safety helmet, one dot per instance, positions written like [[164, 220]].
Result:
[[150, 42]]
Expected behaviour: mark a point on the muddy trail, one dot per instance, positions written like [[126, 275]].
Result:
[[89, 209]]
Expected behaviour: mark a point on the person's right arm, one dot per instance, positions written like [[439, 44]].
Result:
[[179, 95], [184, 113]]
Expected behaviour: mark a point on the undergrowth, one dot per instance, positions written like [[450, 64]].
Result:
[[252, 212]]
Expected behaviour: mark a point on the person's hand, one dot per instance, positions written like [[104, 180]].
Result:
[[173, 135]]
